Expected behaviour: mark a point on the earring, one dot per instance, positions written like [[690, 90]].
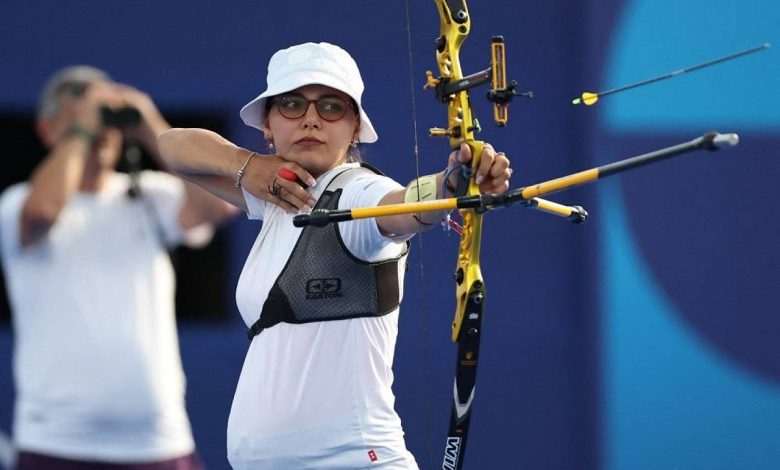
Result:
[[271, 145], [353, 145]]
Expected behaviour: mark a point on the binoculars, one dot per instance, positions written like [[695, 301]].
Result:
[[120, 118]]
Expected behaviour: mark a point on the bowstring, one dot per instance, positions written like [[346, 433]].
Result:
[[423, 297]]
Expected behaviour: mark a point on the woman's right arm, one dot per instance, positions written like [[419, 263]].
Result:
[[213, 162]]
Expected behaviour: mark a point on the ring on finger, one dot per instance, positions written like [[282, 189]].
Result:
[[275, 189]]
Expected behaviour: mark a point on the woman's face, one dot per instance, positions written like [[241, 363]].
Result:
[[315, 143]]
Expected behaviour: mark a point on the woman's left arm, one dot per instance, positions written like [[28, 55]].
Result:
[[492, 177]]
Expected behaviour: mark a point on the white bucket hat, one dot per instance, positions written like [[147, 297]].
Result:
[[311, 64]]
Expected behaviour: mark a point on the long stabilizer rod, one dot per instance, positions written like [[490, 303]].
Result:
[[527, 195]]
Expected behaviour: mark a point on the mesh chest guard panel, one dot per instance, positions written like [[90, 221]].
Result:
[[323, 281]]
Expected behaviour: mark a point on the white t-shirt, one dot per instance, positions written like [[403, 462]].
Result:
[[96, 359], [317, 395]]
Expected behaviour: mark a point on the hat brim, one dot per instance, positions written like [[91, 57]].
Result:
[[253, 113]]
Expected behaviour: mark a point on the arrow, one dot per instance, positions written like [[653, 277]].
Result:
[[590, 98]]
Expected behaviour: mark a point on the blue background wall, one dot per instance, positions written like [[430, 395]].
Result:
[[643, 339]]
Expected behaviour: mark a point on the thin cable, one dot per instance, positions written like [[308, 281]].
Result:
[[423, 298]]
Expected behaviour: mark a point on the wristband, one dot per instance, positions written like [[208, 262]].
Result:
[[82, 133], [421, 189]]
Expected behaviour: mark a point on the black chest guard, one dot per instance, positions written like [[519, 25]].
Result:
[[323, 281]]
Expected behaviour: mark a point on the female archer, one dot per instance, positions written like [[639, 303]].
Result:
[[322, 303]]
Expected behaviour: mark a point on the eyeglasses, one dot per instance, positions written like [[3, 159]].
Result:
[[330, 108]]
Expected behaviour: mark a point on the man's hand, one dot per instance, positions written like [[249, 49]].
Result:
[[152, 122], [83, 111]]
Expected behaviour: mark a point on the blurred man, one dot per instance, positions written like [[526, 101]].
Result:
[[98, 374]]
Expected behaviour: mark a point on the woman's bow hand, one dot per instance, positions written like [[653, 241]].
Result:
[[493, 173]]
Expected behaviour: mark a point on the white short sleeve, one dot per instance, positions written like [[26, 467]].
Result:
[[363, 237], [10, 217], [255, 207]]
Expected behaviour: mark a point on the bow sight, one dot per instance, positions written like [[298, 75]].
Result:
[[500, 93]]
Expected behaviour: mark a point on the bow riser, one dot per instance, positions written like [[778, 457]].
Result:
[[455, 25]]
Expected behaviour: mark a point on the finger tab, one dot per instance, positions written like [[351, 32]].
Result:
[[287, 174]]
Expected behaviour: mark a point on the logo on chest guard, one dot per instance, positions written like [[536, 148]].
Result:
[[326, 288]]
